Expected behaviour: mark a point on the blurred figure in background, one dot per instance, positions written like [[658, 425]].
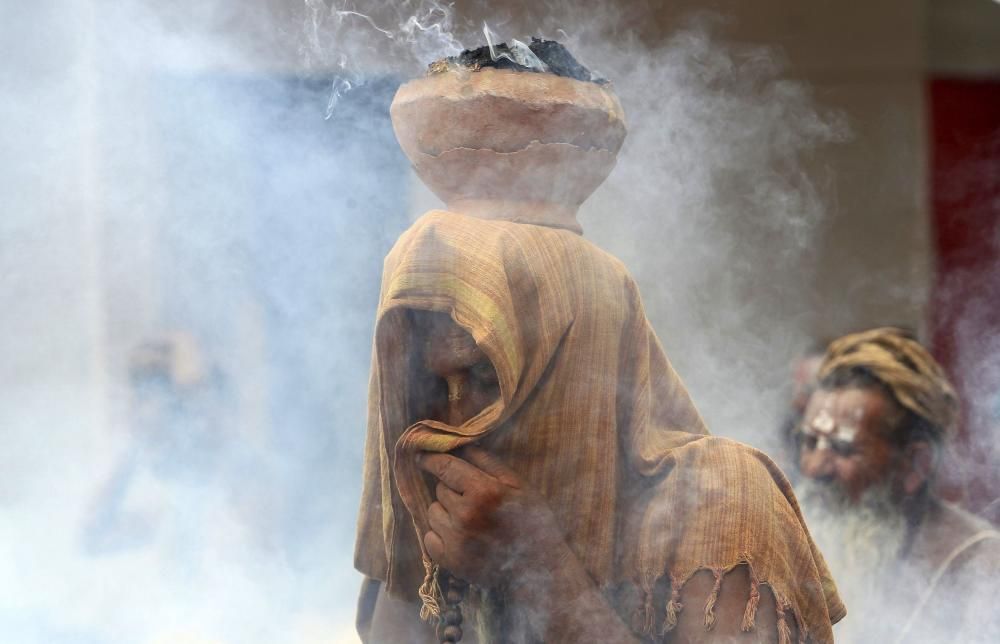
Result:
[[159, 484], [870, 444]]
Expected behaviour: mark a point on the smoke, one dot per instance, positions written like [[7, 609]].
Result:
[[966, 316], [720, 214], [864, 540], [227, 171], [169, 172], [402, 37], [713, 207]]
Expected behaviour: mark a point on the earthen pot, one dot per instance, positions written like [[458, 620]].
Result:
[[503, 144]]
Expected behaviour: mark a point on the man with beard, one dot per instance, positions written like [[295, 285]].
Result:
[[912, 566]]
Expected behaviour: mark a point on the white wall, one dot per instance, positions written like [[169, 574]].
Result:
[[53, 320]]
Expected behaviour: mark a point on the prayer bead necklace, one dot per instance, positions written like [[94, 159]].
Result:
[[449, 629]]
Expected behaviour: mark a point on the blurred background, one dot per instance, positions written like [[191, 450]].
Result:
[[195, 199]]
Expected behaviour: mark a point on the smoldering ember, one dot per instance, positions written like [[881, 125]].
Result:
[[556, 58], [477, 322]]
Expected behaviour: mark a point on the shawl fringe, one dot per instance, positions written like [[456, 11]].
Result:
[[644, 618], [674, 606], [431, 597], [712, 598], [750, 614]]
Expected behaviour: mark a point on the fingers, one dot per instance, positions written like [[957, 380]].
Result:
[[439, 519], [450, 470], [449, 498], [435, 548], [490, 464], [441, 530]]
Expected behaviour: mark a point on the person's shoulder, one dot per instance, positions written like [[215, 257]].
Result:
[[721, 474], [717, 457], [963, 569], [738, 507], [581, 247], [591, 272], [968, 522], [975, 542]]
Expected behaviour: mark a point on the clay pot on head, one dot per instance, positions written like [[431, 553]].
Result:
[[502, 144]]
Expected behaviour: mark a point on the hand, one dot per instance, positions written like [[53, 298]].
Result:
[[486, 526]]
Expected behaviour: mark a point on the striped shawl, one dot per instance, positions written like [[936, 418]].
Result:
[[591, 414]]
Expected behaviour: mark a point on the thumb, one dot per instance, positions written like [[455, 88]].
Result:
[[490, 464]]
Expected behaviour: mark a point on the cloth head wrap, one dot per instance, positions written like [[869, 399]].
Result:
[[907, 369]]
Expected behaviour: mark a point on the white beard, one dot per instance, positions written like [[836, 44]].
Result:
[[861, 543]]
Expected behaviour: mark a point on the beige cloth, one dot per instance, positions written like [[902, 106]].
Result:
[[591, 415], [942, 570], [915, 379]]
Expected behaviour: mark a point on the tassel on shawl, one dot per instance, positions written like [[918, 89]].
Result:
[[784, 630], [644, 618], [750, 613], [674, 606], [430, 593], [712, 598]]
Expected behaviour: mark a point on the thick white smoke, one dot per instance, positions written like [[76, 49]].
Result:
[[169, 171], [228, 171]]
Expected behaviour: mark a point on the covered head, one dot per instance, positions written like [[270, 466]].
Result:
[[561, 324], [585, 408], [895, 360]]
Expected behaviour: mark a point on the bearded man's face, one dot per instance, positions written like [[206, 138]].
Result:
[[844, 439]]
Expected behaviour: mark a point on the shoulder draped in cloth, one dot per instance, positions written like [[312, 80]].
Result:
[[591, 414]]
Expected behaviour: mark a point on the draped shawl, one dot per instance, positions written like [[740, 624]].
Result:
[[590, 414]]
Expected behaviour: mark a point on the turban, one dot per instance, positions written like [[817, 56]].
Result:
[[907, 369]]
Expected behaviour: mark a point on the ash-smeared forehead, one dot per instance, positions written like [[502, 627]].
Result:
[[845, 413]]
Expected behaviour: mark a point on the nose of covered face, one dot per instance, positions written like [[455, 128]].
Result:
[[452, 355]]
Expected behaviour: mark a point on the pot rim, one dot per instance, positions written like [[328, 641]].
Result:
[[538, 88]]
